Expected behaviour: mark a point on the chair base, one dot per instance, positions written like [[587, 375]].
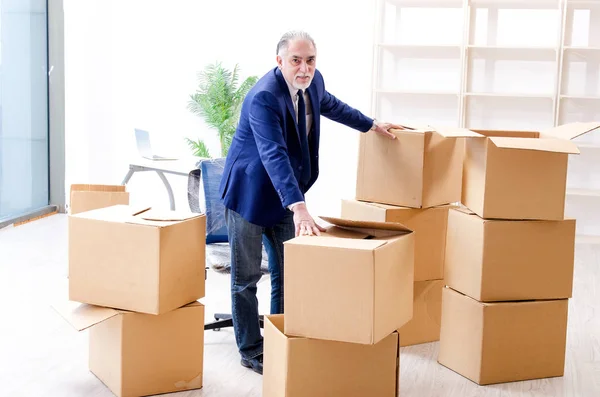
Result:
[[223, 320]]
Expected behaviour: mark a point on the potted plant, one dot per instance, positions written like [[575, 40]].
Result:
[[218, 100]]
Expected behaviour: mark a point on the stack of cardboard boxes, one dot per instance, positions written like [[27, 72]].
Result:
[[346, 293], [413, 180], [373, 281], [135, 276], [509, 258]]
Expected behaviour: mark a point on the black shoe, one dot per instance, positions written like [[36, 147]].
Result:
[[255, 364]]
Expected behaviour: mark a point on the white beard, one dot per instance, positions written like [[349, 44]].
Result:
[[299, 86]]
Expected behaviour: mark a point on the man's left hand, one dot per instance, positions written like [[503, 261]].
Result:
[[383, 129]]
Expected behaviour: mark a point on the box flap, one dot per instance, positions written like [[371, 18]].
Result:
[[166, 215], [545, 145], [570, 130], [456, 132], [335, 242], [82, 315], [82, 187], [362, 225]]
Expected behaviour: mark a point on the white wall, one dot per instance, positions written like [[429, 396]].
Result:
[[133, 63]]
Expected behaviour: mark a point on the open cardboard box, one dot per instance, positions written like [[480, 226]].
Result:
[[301, 367], [509, 260], [520, 175], [86, 197], [421, 168], [147, 261], [354, 283], [429, 225], [137, 354]]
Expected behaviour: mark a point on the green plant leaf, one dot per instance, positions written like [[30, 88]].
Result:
[[198, 148], [218, 100]]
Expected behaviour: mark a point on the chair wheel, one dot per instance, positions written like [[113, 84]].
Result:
[[216, 329]]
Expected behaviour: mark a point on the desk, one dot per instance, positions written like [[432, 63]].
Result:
[[177, 167]]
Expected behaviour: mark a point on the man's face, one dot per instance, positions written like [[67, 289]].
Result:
[[297, 63]]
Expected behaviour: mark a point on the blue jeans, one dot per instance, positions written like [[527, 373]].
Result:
[[245, 240]]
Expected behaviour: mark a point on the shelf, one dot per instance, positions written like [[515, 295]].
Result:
[[583, 3], [582, 98], [508, 53], [516, 4], [509, 95], [595, 50], [427, 3], [423, 51], [584, 192], [401, 92]]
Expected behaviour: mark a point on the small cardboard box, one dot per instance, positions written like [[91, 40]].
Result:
[[504, 341], [143, 261], [353, 283], [90, 197], [427, 314], [300, 367], [519, 175], [506, 260], [137, 354], [421, 168], [429, 225]]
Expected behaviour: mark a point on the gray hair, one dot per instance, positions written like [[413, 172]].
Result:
[[293, 35]]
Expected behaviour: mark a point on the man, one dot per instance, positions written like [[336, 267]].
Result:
[[272, 162]]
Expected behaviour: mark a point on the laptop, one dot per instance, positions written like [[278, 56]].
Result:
[[142, 138]]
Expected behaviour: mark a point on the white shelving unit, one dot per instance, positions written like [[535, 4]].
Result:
[[496, 64]]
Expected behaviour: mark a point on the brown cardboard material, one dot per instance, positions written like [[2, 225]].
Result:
[[502, 342], [353, 283], [505, 260], [519, 175], [427, 314], [299, 367], [137, 354], [144, 261], [429, 225], [421, 168], [86, 197]]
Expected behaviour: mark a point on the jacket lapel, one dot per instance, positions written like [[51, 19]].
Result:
[[287, 98]]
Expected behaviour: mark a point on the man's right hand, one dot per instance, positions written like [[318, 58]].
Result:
[[304, 223]]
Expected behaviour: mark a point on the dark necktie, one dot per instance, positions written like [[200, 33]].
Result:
[[305, 170]]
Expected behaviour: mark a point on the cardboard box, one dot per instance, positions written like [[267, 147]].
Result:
[[420, 169], [300, 367], [137, 354], [519, 175], [429, 225], [353, 283], [90, 197], [504, 341], [505, 260], [150, 261], [427, 314]]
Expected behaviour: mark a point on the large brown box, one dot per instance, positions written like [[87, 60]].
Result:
[[502, 341], [429, 225], [421, 168], [519, 175], [143, 261], [425, 324], [301, 367], [137, 354], [354, 283], [505, 260]]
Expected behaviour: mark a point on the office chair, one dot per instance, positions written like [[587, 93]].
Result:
[[211, 171]]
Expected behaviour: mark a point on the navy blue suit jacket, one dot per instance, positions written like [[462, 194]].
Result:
[[264, 163]]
